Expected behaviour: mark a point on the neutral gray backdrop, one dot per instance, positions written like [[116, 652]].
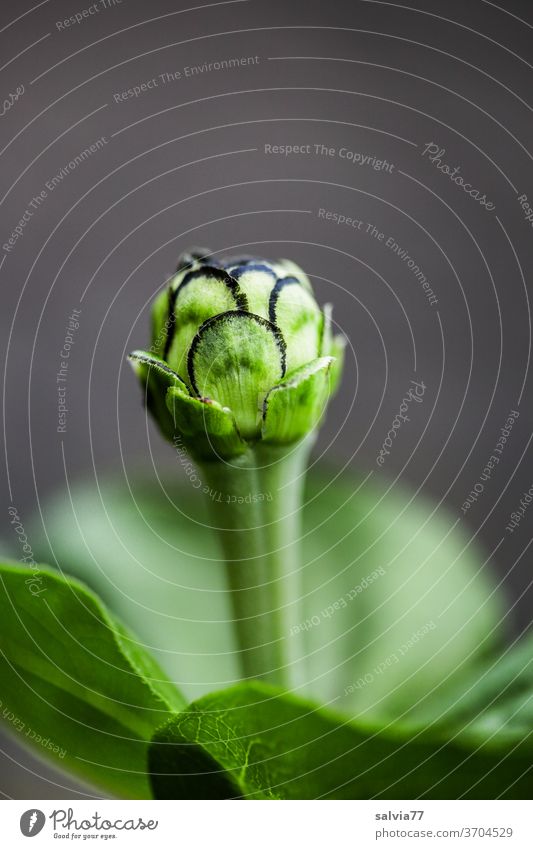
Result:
[[185, 163]]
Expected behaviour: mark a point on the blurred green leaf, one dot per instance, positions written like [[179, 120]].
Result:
[[427, 615], [255, 742], [146, 551], [394, 596], [75, 683], [494, 701]]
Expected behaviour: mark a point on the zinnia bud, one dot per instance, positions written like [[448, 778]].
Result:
[[240, 352]]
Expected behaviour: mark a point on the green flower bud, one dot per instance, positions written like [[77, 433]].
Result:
[[240, 352]]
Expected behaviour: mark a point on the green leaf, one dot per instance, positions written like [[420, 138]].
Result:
[[255, 742], [156, 376], [75, 683], [288, 268], [378, 566], [293, 408], [493, 701], [294, 310], [333, 346], [209, 430], [337, 351], [144, 362], [398, 601], [160, 320], [146, 551], [235, 359], [201, 294], [256, 281]]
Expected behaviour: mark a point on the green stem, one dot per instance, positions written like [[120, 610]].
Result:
[[237, 517], [255, 507], [281, 473]]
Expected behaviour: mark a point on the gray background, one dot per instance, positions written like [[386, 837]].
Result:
[[185, 163]]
